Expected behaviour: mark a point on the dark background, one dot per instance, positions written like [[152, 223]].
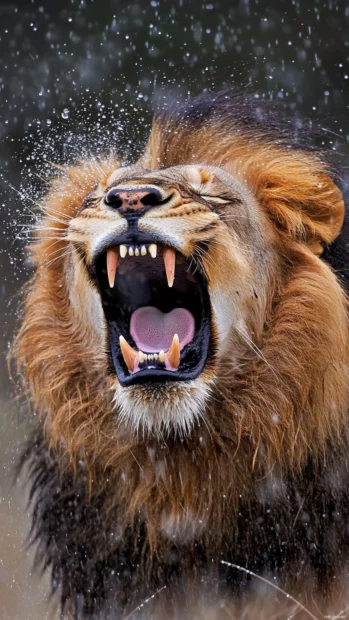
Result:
[[80, 77]]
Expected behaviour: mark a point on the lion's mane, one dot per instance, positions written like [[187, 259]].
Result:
[[264, 482]]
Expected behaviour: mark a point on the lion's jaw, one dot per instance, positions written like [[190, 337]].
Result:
[[214, 267]]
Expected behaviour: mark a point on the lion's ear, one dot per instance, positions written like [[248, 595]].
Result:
[[325, 220], [300, 197]]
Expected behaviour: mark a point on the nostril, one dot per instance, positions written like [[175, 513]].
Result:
[[155, 199], [128, 200], [113, 199]]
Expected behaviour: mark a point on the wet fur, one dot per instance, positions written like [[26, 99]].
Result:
[[263, 481]]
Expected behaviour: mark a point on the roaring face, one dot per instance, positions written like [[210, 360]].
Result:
[[168, 268], [185, 299]]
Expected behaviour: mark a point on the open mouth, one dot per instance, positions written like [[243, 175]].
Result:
[[158, 313]]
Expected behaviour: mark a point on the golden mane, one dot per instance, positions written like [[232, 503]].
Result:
[[287, 400]]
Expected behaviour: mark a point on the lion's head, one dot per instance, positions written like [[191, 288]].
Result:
[[183, 301], [172, 270]]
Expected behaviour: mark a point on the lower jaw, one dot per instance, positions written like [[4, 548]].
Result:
[[203, 351]]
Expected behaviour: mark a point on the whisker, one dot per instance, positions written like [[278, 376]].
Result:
[[204, 255], [65, 253], [52, 213], [254, 348], [215, 241], [31, 239], [41, 178], [55, 228]]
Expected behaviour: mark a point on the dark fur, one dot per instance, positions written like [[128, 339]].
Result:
[[300, 537]]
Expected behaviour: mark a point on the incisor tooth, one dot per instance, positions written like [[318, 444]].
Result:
[[130, 251], [128, 354], [112, 265], [123, 251], [141, 357], [174, 353], [162, 356], [143, 250], [136, 252], [153, 250], [169, 256]]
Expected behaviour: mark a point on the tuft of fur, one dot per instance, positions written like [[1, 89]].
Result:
[[260, 477]]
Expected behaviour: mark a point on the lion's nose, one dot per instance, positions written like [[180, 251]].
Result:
[[134, 201]]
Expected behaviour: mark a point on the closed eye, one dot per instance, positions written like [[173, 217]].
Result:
[[221, 200]]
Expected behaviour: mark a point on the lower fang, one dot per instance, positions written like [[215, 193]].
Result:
[[128, 354], [173, 355]]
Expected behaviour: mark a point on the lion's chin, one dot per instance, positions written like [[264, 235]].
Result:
[[162, 409]]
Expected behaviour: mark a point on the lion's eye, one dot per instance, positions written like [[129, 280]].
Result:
[[220, 200]]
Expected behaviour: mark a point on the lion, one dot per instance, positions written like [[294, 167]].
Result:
[[184, 345]]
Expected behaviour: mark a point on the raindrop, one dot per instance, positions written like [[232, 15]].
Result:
[[65, 114]]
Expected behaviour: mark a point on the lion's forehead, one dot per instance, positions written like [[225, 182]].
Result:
[[195, 176]]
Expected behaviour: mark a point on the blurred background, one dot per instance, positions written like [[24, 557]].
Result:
[[81, 77]]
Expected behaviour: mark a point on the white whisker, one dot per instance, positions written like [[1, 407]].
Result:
[[254, 348]]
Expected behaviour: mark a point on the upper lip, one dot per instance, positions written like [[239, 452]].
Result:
[[132, 238]]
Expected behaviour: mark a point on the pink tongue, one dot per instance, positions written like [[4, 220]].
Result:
[[153, 331]]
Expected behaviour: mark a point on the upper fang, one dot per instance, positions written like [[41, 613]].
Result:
[[112, 265], [169, 256]]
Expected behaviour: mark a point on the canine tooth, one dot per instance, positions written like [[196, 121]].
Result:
[[162, 356], [128, 354], [141, 357], [112, 265], [174, 353], [123, 251], [153, 250], [136, 251], [169, 256], [143, 250], [130, 251]]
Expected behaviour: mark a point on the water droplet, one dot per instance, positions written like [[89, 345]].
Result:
[[65, 114]]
